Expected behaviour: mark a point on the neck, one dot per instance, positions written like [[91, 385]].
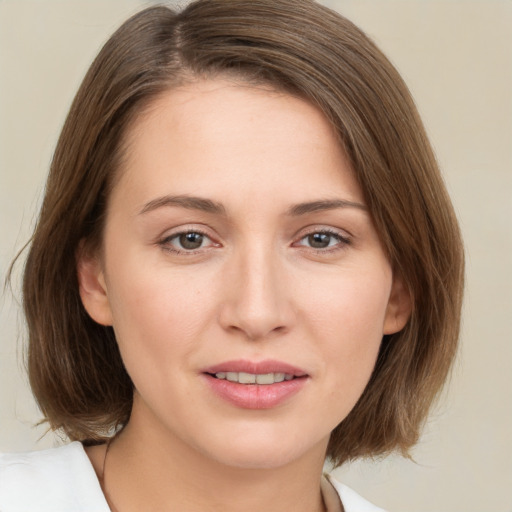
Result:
[[146, 470]]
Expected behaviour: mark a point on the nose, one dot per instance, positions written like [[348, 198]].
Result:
[[257, 304]]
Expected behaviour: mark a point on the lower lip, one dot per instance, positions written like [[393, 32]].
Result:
[[255, 396]]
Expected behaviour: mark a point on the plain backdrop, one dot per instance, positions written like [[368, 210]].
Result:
[[456, 57]]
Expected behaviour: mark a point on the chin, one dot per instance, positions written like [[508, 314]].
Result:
[[257, 459], [256, 452]]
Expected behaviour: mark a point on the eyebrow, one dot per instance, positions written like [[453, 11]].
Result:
[[209, 206], [184, 201], [322, 205]]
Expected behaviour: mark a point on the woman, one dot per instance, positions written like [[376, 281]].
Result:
[[246, 261]]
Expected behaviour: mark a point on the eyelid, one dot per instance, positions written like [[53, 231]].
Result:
[[345, 238], [164, 240], [321, 228]]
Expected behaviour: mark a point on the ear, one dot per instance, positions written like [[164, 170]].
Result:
[[399, 307], [92, 286]]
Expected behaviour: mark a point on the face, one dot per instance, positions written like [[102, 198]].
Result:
[[242, 273]]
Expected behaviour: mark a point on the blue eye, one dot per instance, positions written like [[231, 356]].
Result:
[[323, 240]]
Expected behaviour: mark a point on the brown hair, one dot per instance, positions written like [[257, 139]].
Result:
[[300, 47]]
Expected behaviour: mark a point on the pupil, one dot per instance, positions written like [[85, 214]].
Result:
[[319, 240], [191, 240]]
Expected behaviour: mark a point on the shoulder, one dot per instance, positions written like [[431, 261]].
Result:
[[352, 502], [59, 479]]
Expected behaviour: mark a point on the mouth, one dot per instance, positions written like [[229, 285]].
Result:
[[264, 379], [255, 385], [255, 372]]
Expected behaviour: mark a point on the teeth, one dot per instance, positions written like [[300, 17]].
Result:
[[247, 378], [251, 378], [267, 378]]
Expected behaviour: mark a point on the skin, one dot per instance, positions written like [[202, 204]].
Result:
[[257, 288]]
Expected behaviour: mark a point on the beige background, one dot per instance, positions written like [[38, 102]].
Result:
[[457, 58]]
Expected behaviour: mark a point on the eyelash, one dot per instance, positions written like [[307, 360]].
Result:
[[166, 242], [342, 241]]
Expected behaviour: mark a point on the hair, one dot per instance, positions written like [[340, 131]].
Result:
[[298, 47]]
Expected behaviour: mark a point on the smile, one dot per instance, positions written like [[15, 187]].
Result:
[[255, 384], [252, 378]]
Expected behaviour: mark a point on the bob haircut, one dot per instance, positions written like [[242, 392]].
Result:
[[298, 47]]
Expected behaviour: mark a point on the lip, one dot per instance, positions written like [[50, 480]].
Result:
[[256, 367], [255, 396]]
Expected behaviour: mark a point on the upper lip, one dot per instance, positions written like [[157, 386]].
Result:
[[256, 367]]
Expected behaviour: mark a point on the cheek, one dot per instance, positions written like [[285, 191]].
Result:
[[352, 306], [347, 323], [156, 313]]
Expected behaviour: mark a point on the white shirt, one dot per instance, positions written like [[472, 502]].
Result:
[[63, 480]]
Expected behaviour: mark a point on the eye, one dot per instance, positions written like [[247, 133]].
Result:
[[187, 241], [323, 240]]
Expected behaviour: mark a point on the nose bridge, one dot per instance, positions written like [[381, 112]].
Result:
[[259, 304]]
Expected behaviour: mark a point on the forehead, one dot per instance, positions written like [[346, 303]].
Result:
[[218, 137]]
